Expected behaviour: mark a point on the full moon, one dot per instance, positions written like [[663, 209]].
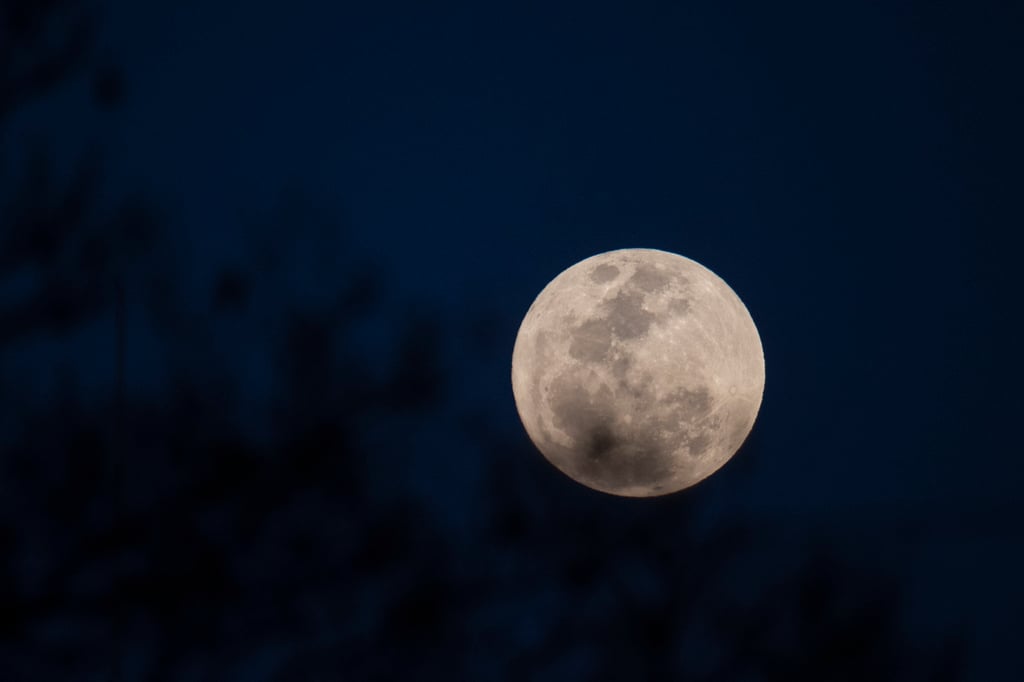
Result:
[[638, 372]]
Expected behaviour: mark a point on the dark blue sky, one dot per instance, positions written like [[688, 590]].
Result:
[[814, 157], [852, 169]]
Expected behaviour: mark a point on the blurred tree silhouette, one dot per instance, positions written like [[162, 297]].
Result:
[[296, 553], [42, 44], [54, 234]]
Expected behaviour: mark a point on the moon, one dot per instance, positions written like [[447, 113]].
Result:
[[638, 372]]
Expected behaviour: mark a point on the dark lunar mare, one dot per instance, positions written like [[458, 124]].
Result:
[[610, 452]]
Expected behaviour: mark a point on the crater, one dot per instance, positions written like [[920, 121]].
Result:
[[604, 273]]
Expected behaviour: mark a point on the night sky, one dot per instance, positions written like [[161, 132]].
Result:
[[326, 222]]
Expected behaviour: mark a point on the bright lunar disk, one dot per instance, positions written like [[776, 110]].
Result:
[[638, 372]]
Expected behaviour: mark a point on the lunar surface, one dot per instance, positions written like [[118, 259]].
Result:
[[638, 372]]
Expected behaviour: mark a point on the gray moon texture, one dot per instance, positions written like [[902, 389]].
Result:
[[638, 372]]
